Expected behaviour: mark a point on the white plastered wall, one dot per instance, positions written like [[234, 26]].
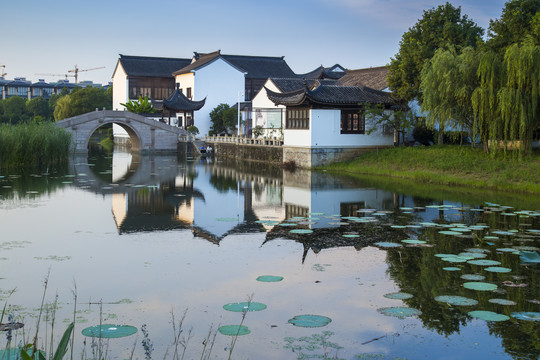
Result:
[[261, 104], [219, 82]]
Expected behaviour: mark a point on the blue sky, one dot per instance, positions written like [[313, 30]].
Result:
[[54, 36]]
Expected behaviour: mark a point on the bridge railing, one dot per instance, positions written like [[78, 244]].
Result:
[[243, 140]]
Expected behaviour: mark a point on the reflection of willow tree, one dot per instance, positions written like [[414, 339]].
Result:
[[419, 272]]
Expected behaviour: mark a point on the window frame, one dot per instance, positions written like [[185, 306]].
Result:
[[353, 122]]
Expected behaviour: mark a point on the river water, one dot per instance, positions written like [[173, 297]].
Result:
[[140, 239]]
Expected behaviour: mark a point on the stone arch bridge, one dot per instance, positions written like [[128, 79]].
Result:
[[146, 135]]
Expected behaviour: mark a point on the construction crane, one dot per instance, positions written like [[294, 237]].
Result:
[[76, 70], [66, 75]]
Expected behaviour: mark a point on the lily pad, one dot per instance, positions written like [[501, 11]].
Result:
[[488, 315], [234, 330], [529, 257], [502, 302], [413, 241], [385, 244], [244, 306], [454, 259], [529, 316], [109, 331], [448, 232], [484, 262], [399, 311], [451, 268], [301, 231], [269, 278], [474, 277], [398, 296], [351, 235], [456, 300], [498, 269], [310, 321], [480, 286]]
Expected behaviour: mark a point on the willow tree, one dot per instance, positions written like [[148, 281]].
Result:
[[519, 98], [448, 81], [484, 98]]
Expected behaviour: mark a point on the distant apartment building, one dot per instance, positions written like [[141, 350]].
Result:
[[21, 87]]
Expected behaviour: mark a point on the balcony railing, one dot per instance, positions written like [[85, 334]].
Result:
[[243, 140]]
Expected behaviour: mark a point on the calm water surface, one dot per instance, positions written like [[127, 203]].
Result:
[[139, 238]]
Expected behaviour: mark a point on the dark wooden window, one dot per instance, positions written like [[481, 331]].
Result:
[[188, 93], [353, 122], [297, 118], [154, 88]]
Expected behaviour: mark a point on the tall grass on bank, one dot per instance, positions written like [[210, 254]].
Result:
[[33, 145], [449, 165]]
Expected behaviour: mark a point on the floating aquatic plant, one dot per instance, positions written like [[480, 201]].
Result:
[[244, 306], [234, 330], [351, 235], [399, 311], [451, 268], [310, 321], [488, 315], [398, 295], [269, 278], [480, 286], [529, 257], [484, 262], [502, 302], [454, 259], [456, 300], [498, 269], [301, 231], [385, 244], [230, 219], [472, 277], [413, 241], [109, 331], [528, 316]]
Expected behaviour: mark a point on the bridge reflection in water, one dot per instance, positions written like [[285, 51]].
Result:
[[214, 200]]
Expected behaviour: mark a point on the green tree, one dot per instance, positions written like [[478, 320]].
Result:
[[15, 110], [439, 27], [143, 106], [519, 19], [62, 110], [39, 108], [400, 121], [224, 119], [81, 101], [448, 81]]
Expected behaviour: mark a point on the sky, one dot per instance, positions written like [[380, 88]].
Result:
[[52, 37]]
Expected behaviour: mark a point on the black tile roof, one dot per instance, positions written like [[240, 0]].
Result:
[[151, 66], [261, 67], [324, 73], [199, 61], [179, 102], [333, 95], [256, 67], [291, 84], [374, 77]]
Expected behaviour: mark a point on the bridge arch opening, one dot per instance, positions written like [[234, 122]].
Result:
[[134, 138]]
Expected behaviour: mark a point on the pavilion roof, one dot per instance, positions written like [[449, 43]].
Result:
[[334, 96], [179, 102]]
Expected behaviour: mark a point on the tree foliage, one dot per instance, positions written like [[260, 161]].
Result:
[[14, 110], [143, 106], [224, 119], [439, 27], [519, 19], [38, 108], [448, 81], [81, 101]]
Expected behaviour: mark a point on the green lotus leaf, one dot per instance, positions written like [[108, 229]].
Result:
[[234, 330], [474, 277], [269, 278], [310, 321], [502, 302], [456, 300], [398, 296], [301, 231], [488, 315], [498, 269], [109, 331], [451, 268], [244, 306], [385, 244], [528, 316], [484, 262], [480, 286]]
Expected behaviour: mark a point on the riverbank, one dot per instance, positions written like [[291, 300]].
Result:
[[449, 166]]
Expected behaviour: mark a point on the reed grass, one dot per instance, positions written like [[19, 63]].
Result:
[[451, 166], [39, 145]]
